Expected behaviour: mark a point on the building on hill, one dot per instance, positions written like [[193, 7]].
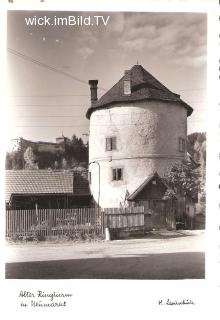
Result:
[[39, 146], [61, 140], [137, 128]]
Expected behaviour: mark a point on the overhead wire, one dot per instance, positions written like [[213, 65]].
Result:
[[49, 96], [84, 125], [51, 105], [44, 65], [82, 95]]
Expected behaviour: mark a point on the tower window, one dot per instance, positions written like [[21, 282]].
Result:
[[127, 87], [182, 145], [110, 143], [117, 174]]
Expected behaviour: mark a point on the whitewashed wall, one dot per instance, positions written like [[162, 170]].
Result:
[[147, 141]]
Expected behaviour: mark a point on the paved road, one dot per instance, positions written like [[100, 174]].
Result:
[[160, 255]]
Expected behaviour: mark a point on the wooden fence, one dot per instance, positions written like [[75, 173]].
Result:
[[138, 209], [83, 222], [55, 222], [119, 218]]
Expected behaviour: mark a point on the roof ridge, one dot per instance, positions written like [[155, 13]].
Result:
[[155, 79], [144, 86]]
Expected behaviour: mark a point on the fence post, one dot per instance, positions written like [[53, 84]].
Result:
[[106, 227], [50, 222], [36, 209], [107, 234]]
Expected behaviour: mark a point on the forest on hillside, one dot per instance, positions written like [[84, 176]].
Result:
[[196, 146]]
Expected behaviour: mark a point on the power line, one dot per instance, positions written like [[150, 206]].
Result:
[[198, 89], [50, 116], [200, 102], [82, 116], [50, 96], [79, 95], [74, 95], [45, 106], [73, 116], [85, 125], [44, 65], [70, 105], [73, 126]]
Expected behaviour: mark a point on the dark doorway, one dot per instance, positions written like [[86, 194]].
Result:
[[158, 208]]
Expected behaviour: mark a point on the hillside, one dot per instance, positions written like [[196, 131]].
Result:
[[71, 152], [68, 153], [196, 146]]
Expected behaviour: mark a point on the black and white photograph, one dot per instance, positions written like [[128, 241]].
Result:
[[108, 144], [105, 163]]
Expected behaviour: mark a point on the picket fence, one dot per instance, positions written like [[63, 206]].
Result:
[[76, 223], [55, 222]]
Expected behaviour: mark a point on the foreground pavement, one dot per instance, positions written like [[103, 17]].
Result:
[[159, 255]]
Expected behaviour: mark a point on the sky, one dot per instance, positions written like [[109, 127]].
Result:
[[44, 103]]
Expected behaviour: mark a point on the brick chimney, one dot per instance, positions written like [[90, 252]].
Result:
[[93, 88]]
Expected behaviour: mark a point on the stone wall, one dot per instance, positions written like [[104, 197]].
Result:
[[147, 136]]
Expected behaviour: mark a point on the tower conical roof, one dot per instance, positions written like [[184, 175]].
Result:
[[143, 87]]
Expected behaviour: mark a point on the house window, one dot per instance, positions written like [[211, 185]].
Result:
[[110, 143], [117, 174], [127, 87], [182, 145]]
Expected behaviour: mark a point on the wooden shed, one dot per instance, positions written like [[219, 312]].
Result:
[[54, 189], [159, 212]]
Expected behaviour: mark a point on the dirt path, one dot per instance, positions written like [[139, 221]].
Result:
[[176, 255]]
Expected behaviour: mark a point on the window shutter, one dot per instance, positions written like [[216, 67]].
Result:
[[113, 143], [108, 144], [182, 145], [114, 176], [119, 174]]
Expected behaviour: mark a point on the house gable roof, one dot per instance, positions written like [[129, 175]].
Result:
[[143, 87], [29, 182], [134, 195]]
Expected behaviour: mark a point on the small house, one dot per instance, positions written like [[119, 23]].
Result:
[[26, 189]]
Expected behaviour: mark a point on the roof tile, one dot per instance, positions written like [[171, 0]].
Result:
[[143, 86], [38, 182]]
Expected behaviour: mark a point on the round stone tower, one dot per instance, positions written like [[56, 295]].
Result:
[[137, 128]]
